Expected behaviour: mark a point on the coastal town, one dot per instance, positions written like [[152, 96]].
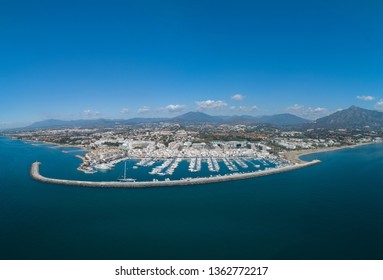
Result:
[[162, 146]]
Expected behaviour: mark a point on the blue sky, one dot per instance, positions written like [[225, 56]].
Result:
[[122, 59]]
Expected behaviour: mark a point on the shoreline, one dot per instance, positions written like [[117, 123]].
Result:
[[56, 145], [35, 174], [295, 156]]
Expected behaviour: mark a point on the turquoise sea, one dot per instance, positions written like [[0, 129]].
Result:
[[332, 210]]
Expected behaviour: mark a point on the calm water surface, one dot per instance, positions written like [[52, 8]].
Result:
[[332, 210]]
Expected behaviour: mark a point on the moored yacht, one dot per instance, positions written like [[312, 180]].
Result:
[[126, 179]]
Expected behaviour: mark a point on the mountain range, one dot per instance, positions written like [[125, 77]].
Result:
[[186, 119], [351, 117]]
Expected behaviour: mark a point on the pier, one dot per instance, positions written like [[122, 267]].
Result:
[[35, 174]]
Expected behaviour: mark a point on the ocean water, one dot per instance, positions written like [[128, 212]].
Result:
[[332, 210]]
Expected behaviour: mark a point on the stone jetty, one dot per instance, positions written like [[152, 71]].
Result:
[[35, 173]]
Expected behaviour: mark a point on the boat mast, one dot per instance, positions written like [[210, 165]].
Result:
[[125, 171]]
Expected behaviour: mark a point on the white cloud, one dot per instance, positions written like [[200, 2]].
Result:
[[211, 105], [365, 97], [248, 108], [379, 105], [124, 111], [319, 110], [175, 108], [243, 108], [238, 97], [90, 113], [295, 107], [308, 112], [143, 110]]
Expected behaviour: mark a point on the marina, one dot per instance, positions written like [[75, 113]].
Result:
[[195, 167], [35, 174], [230, 165], [173, 165]]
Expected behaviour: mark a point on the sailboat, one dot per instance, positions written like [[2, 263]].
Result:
[[126, 179]]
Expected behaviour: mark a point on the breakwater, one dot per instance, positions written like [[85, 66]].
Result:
[[35, 174]]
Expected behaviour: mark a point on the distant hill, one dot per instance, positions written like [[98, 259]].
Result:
[[282, 119], [97, 123], [52, 123], [144, 120], [196, 117], [351, 118], [187, 118], [243, 119], [47, 123]]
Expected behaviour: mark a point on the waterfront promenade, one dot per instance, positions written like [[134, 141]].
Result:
[[35, 173]]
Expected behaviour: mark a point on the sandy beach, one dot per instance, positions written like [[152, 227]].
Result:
[[294, 156]]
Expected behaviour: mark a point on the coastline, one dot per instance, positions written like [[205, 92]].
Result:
[[56, 146], [291, 156], [295, 156]]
